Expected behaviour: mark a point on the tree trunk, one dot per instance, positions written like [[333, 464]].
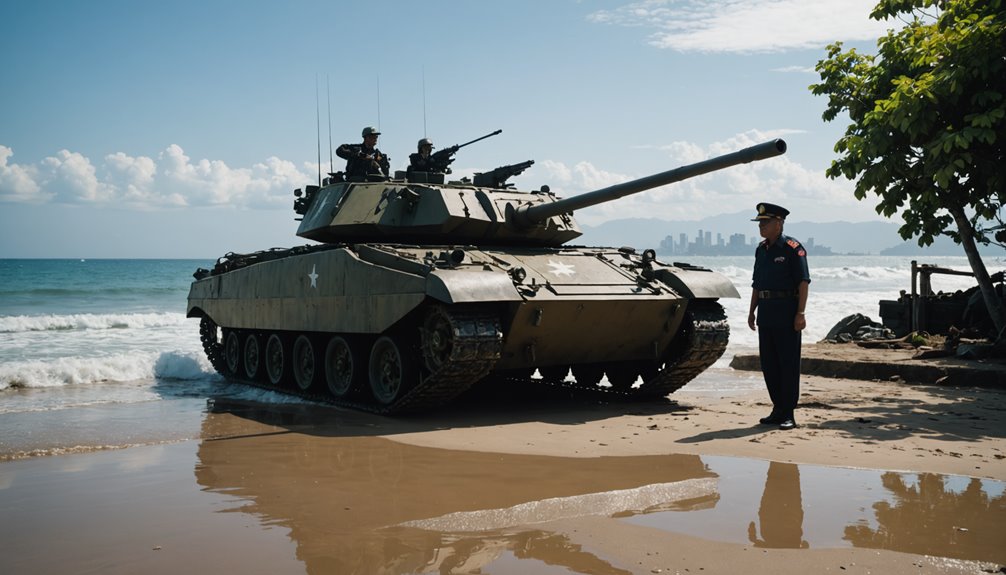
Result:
[[992, 302]]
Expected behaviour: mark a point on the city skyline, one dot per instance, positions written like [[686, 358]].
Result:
[[735, 244]]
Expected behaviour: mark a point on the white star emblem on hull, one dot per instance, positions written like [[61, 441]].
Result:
[[561, 269], [314, 277]]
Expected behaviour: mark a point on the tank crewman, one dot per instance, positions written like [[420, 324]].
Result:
[[421, 161], [365, 161], [779, 294]]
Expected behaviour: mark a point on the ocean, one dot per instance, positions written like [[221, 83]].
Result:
[[92, 332]]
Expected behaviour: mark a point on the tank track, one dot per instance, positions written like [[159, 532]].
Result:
[[475, 349], [704, 337], [703, 340]]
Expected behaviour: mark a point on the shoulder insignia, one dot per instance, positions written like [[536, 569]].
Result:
[[792, 243]]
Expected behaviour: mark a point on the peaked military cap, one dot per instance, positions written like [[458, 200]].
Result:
[[770, 211], [370, 131]]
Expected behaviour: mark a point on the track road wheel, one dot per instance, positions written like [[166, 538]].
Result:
[[232, 352], [340, 366], [275, 359], [303, 362], [437, 339], [392, 369], [252, 356]]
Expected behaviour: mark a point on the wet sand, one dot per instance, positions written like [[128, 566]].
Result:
[[508, 485]]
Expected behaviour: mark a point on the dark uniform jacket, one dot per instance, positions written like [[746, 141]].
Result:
[[417, 163], [356, 163], [779, 269]]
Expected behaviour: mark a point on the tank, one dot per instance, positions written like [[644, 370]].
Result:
[[418, 288]]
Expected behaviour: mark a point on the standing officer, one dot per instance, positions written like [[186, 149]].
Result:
[[779, 294], [364, 161]]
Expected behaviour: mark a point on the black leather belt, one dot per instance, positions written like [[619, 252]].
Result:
[[771, 294]]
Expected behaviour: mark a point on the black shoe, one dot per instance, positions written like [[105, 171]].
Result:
[[772, 419], [787, 424]]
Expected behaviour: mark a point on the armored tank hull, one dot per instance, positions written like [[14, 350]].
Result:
[[469, 284], [412, 331]]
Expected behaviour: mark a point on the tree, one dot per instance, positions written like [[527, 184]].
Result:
[[928, 124]]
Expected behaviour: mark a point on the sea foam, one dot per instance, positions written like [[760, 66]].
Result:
[[88, 321], [36, 373]]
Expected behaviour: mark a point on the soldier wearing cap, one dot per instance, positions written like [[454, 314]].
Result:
[[779, 296], [421, 160], [364, 161]]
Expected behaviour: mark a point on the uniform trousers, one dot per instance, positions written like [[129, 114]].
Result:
[[779, 351]]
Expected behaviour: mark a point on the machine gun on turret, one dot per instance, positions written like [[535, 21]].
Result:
[[441, 160], [497, 178]]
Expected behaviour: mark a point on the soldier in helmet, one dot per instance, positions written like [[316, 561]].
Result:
[[779, 296], [421, 160], [364, 161]]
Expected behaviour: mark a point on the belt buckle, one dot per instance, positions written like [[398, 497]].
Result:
[[765, 294]]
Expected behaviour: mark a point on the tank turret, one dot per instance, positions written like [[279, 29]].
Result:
[[484, 212]]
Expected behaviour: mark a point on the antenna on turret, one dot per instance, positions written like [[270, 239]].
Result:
[[331, 163], [378, 102], [424, 102], [317, 121]]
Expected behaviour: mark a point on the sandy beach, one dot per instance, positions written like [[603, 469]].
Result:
[[510, 484]]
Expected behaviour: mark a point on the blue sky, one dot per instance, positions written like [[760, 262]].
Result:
[[180, 129]]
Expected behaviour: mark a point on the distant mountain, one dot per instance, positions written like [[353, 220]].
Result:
[[943, 246], [842, 237]]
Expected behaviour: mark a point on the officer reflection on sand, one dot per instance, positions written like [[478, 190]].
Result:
[[780, 514]]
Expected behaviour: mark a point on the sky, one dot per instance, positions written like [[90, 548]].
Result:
[[180, 129]]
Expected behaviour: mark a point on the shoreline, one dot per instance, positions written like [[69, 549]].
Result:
[[507, 483]]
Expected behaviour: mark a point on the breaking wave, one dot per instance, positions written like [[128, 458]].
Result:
[[63, 371], [88, 321]]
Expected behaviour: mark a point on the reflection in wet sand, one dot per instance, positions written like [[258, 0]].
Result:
[[808, 506], [355, 502], [372, 505], [929, 518], [781, 512]]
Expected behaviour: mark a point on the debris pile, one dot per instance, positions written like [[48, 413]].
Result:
[[858, 327]]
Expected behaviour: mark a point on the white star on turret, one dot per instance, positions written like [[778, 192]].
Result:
[[561, 269], [314, 277]]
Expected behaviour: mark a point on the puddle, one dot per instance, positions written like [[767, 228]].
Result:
[[788, 506]]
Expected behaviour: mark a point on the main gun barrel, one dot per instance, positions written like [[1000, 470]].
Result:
[[529, 215], [497, 132]]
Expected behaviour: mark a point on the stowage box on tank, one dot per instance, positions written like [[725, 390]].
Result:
[[419, 288]]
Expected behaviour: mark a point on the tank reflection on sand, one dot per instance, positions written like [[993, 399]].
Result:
[[372, 505]]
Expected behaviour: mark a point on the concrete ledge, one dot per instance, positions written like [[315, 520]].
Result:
[[850, 361]]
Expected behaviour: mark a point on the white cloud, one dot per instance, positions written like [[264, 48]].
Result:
[[17, 183], [171, 180], [797, 69], [748, 25], [809, 194], [72, 178]]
